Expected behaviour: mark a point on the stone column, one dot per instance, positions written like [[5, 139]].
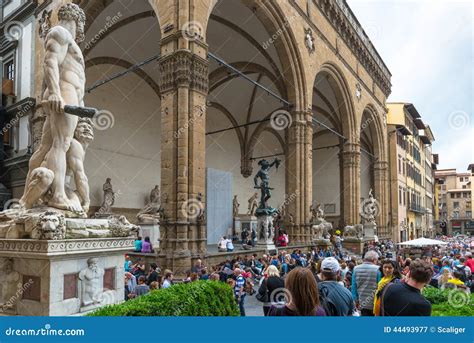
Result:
[[351, 186], [381, 184], [183, 69], [299, 167]]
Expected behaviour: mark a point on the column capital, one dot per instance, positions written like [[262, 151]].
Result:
[[183, 68], [381, 165]]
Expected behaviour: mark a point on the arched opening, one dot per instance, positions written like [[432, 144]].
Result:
[[238, 129], [367, 159], [127, 141], [333, 118]]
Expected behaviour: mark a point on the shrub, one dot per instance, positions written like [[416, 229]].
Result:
[[436, 295], [201, 298], [447, 310], [449, 302]]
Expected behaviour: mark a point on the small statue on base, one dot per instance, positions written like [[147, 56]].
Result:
[[150, 214], [253, 204], [109, 198], [10, 283], [91, 283], [235, 206], [369, 209], [317, 214], [264, 186]]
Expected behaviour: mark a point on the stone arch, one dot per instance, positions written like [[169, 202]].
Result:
[[378, 137], [93, 9], [340, 87], [124, 64], [272, 17]]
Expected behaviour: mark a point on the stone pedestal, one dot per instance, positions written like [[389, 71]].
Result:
[[265, 232], [247, 222], [323, 243], [237, 227], [370, 230], [354, 245], [152, 231], [63, 277]]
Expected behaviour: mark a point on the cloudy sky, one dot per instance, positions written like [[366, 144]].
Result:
[[428, 45]]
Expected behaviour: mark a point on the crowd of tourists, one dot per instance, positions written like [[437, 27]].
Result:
[[327, 282]]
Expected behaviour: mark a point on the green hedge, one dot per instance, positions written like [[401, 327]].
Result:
[[200, 298], [449, 302]]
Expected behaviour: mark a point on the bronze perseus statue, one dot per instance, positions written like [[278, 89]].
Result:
[[263, 175]]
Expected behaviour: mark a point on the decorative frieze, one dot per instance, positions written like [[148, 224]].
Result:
[[63, 246], [341, 17]]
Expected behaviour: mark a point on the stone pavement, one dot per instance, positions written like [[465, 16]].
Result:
[[253, 307]]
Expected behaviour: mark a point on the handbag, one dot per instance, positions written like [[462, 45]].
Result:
[[263, 297]]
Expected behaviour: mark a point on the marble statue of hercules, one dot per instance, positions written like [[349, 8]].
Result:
[[64, 77]]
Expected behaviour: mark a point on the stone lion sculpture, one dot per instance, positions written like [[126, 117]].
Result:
[[322, 230], [355, 231], [50, 226]]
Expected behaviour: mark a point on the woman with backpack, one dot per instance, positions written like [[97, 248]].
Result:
[[271, 285]]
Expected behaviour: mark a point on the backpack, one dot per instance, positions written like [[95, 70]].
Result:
[[328, 305], [462, 270]]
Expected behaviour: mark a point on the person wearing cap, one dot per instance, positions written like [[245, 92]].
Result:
[[335, 298], [365, 279]]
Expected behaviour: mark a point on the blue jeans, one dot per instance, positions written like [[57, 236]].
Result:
[[241, 304]]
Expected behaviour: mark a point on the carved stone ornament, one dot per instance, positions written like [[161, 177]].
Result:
[[309, 40], [44, 23], [358, 92], [91, 283]]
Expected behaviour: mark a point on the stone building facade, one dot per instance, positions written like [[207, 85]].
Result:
[[411, 173], [455, 207], [172, 120]]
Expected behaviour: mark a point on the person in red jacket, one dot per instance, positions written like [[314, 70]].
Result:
[[282, 239]]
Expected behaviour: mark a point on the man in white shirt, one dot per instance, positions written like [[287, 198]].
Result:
[[222, 245]]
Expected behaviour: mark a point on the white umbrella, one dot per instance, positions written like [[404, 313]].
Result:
[[420, 242]]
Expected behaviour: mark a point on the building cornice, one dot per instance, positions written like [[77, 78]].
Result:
[[21, 13], [341, 17]]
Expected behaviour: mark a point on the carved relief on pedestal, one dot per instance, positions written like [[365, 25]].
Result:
[[91, 282], [10, 283]]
